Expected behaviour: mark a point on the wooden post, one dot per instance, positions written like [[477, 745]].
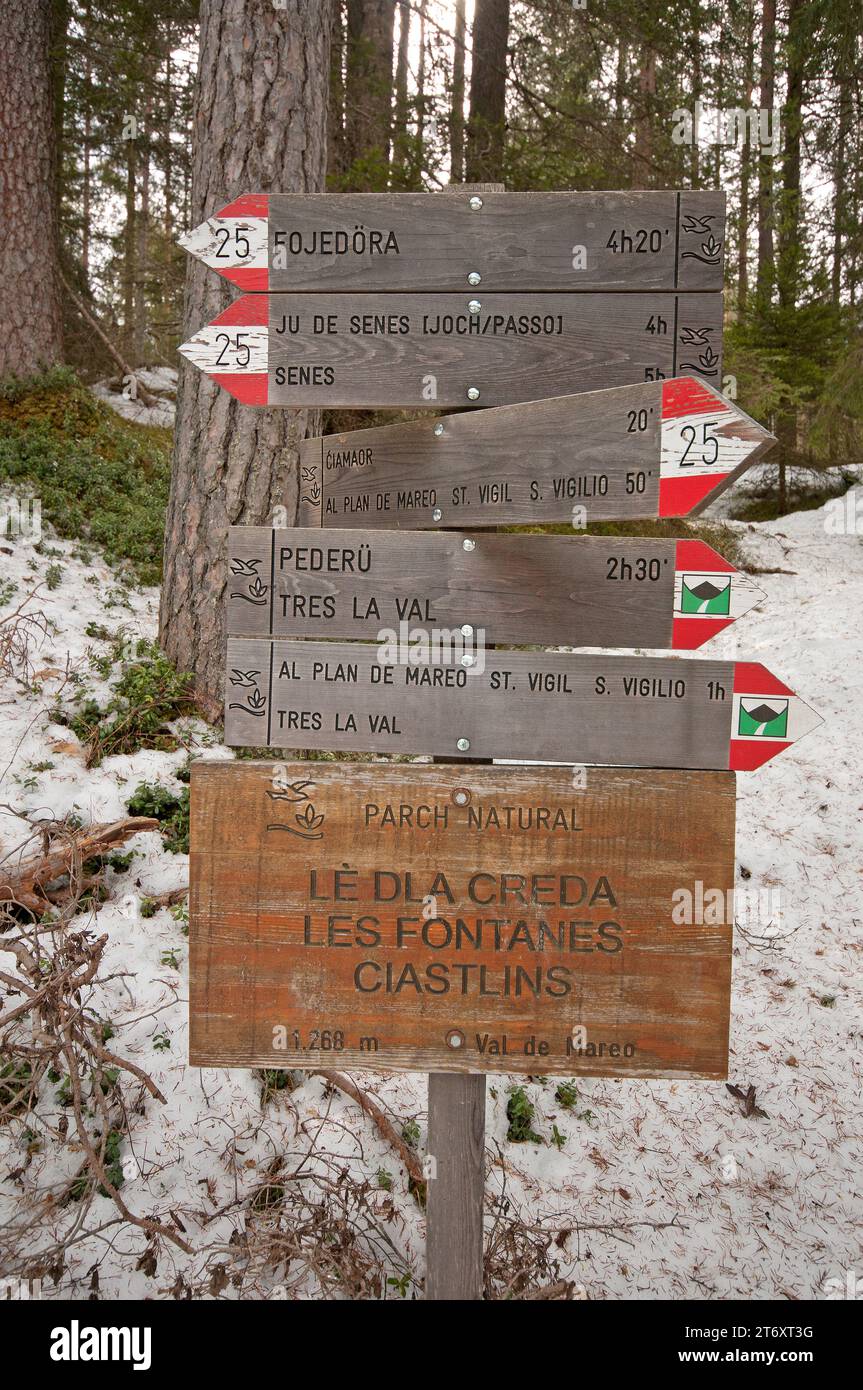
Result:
[[456, 1178], [456, 1139]]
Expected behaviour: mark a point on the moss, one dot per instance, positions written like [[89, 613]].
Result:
[[99, 477]]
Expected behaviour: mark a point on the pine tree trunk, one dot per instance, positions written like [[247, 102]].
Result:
[[30, 309], [142, 244], [401, 139], [336, 161], [643, 162], [745, 168], [130, 258], [260, 126], [368, 96], [840, 186], [456, 119], [167, 167], [486, 124], [788, 270], [766, 259]]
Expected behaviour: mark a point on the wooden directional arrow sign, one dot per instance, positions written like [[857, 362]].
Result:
[[665, 448], [583, 591], [496, 241], [403, 697], [460, 918], [438, 350]]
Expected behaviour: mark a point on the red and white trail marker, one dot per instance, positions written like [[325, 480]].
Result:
[[767, 717], [573, 241], [658, 449], [432, 351]]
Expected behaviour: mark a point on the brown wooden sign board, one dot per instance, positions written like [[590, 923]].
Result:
[[660, 449], [622, 710], [587, 591], [435, 351], [642, 240], [460, 919]]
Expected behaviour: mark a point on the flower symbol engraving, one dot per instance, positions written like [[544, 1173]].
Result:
[[308, 820]]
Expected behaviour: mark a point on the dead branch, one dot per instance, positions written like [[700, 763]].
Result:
[[92, 322], [385, 1126], [25, 883]]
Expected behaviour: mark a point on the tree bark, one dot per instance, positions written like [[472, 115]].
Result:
[[130, 248], [789, 223], [336, 159], [745, 168], [401, 138], [487, 120], [259, 126], [368, 93], [766, 258], [456, 119], [643, 162], [30, 309]]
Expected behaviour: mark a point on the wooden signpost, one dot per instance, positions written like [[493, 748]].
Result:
[[443, 350], [629, 711], [664, 448], [499, 241], [460, 918], [467, 918], [598, 591]]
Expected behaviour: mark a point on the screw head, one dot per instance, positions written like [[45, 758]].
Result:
[[462, 744], [473, 393], [473, 306], [437, 514], [474, 278], [468, 544], [467, 659], [455, 1038], [466, 630], [474, 203], [438, 429]]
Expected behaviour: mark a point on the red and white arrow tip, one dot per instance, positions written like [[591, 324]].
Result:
[[235, 242], [766, 717], [709, 595], [706, 441], [234, 348]]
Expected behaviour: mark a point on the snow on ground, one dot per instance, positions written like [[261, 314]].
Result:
[[669, 1191], [159, 381], [760, 480]]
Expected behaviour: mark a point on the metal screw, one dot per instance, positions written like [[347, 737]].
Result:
[[437, 514], [461, 797], [473, 393], [474, 306], [474, 277], [468, 545], [475, 203], [438, 429], [462, 744], [466, 630], [467, 659]]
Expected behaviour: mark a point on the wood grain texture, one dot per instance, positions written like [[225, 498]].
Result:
[[622, 710], [582, 590], [427, 350], [650, 450], [308, 939], [433, 351], [514, 241], [454, 1204]]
